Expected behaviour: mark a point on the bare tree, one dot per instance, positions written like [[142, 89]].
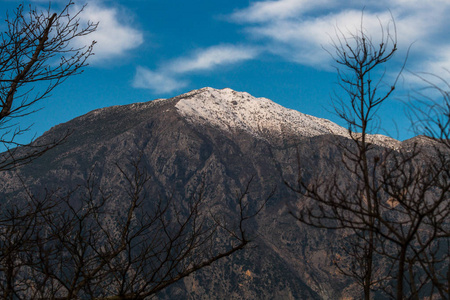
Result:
[[81, 246], [36, 55], [392, 201], [430, 115], [20, 227], [359, 59]]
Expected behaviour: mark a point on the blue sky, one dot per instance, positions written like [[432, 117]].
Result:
[[149, 49]]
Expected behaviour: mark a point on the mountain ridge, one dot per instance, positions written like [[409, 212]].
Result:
[[230, 110]]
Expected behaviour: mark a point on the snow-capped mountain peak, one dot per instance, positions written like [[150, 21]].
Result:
[[231, 110]]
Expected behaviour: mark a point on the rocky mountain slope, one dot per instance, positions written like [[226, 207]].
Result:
[[224, 138]]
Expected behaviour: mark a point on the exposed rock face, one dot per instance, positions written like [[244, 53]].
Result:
[[225, 137]]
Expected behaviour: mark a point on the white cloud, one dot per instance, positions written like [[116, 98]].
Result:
[[303, 41], [298, 29], [167, 77], [264, 11], [113, 36], [212, 57], [160, 83], [438, 64]]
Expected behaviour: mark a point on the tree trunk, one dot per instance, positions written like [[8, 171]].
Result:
[[401, 271]]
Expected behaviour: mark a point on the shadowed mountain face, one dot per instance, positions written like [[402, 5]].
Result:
[[223, 138]]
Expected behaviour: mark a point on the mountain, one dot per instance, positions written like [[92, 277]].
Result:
[[224, 138]]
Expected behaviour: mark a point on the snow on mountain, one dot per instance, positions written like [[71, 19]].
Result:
[[231, 110]]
